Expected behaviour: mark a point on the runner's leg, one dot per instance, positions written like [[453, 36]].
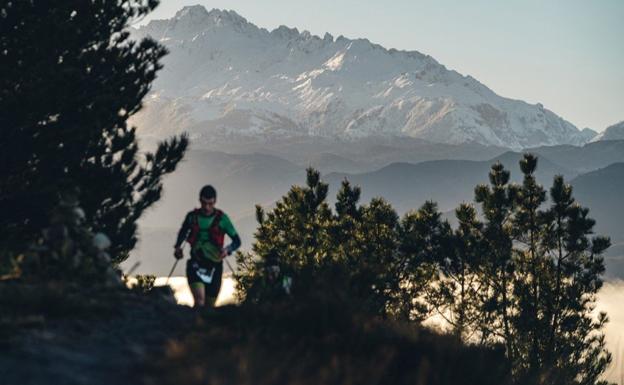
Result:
[[212, 290], [198, 291], [195, 284]]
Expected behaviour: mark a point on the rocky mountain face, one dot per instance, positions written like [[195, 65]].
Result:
[[226, 79]]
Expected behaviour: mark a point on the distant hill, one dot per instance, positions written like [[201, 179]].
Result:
[[368, 153], [589, 157], [602, 191], [614, 261], [329, 162], [448, 182]]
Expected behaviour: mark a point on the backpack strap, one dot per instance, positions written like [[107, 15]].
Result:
[[192, 238], [217, 219], [216, 235]]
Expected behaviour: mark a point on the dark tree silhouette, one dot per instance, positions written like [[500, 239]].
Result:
[[352, 253], [538, 275], [425, 244], [70, 77], [524, 276]]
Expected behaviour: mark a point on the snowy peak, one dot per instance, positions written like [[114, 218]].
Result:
[[192, 12], [614, 132], [198, 15], [225, 76], [192, 21]]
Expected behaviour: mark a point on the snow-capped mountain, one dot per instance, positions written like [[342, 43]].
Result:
[[614, 132], [225, 78]]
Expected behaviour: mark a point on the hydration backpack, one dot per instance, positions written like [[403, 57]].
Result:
[[216, 235]]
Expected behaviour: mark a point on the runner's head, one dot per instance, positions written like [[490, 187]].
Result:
[[208, 197]]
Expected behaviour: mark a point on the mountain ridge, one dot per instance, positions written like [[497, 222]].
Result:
[[227, 78]]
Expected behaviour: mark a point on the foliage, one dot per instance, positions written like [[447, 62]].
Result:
[[541, 271], [364, 242], [350, 254], [522, 275], [425, 244], [63, 113], [293, 237], [457, 294]]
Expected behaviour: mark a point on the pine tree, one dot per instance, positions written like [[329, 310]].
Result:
[[350, 255], [346, 229], [531, 270], [572, 345], [294, 235], [456, 296], [347, 238], [497, 267], [364, 239], [425, 244], [375, 272], [542, 271], [71, 76], [525, 278]]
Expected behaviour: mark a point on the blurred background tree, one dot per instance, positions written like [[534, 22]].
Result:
[[71, 76]]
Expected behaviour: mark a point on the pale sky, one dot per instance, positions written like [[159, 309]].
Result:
[[566, 54]]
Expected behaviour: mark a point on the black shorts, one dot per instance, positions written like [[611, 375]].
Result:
[[206, 273]]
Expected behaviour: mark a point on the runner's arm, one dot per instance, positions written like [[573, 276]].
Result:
[[234, 245], [184, 232], [227, 226]]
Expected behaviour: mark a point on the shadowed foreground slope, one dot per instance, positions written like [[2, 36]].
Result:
[[100, 337], [318, 343], [66, 334]]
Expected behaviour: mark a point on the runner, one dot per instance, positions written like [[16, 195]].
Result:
[[204, 229]]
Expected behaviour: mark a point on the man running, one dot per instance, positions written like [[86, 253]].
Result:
[[204, 229]]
